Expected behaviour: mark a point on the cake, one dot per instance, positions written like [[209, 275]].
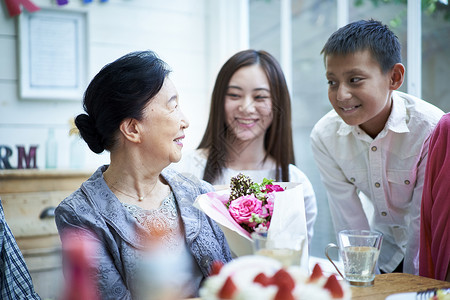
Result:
[[441, 294], [263, 278]]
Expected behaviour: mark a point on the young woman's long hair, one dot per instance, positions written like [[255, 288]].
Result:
[[278, 137]]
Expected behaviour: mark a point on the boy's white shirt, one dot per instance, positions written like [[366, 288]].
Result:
[[387, 172]]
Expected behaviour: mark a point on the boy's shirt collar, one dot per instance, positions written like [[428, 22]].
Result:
[[397, 121]]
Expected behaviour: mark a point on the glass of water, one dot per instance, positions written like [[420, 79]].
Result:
[[288, 251], [359, 250]]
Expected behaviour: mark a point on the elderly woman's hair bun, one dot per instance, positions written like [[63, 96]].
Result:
[[89, 133]]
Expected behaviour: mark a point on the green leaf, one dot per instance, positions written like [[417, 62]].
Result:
[[266, 181]]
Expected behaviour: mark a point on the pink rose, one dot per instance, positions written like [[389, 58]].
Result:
[[241, 209], [273, 188]]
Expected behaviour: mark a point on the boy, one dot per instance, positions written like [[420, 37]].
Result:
[[369, 148]]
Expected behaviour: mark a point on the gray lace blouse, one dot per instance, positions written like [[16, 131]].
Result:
[[123, 239], [162, 223]]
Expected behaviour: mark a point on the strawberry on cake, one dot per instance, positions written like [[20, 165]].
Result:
[[260, 277]]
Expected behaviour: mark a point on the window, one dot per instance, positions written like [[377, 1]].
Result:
[[312, 22]]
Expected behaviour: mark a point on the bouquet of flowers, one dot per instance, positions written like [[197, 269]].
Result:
[[251, 204], [246, 207]]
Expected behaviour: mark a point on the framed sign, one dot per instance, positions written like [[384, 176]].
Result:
[[53, 54]]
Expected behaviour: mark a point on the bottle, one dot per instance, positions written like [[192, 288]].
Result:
[[51, 150], [76, 152], [77, 147]]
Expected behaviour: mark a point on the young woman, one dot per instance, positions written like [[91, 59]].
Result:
[[249, 129]]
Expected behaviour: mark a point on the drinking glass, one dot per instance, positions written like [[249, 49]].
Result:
[[359, 250], [288, 251]]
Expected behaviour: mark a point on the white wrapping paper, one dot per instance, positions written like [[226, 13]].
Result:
[[288, 219]]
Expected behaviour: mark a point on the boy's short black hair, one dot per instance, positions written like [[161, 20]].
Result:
[[363, 35]]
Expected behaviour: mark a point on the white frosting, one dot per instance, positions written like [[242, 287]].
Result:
[[244, 269]]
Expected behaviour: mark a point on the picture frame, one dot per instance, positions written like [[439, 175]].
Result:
[[53, 54]]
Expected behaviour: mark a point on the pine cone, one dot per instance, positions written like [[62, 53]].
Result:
[[240, 185]]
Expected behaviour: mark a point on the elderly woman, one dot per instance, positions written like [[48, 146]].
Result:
[[135, 205]]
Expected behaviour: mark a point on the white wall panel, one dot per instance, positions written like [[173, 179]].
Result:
[[190, 35], [8, 57], [7, 24]]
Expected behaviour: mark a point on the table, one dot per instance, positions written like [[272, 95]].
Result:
[[392, 283]]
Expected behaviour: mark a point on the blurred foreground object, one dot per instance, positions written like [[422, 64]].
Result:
[[164, 275], [79, 266]]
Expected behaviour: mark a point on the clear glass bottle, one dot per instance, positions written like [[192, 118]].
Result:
[[76, 151], [51, 150]]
